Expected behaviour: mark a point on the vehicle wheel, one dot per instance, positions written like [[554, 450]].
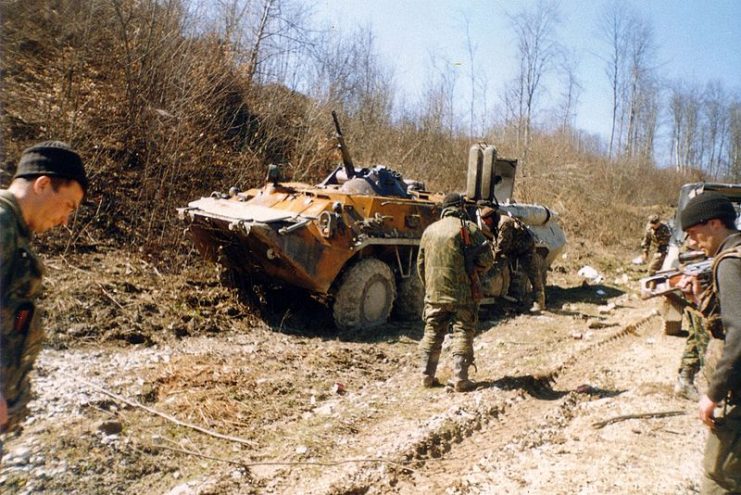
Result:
[[365, 295], [410, 303]]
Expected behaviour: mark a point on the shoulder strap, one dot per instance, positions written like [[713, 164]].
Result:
[[731, 252]]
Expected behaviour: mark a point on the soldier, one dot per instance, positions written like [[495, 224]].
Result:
[[656, 233], [693, 357], [452, 253], [49, 184], [490, 220], [516, 243], [708, 219]]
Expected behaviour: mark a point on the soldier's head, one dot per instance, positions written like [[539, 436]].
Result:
[[708, 219], [653, 221], [490, 217], [452, 200], [49, 184], [452, 205]]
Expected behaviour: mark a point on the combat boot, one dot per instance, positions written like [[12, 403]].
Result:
[[685, 386], [459, 381], [539, 304], [429, 366]]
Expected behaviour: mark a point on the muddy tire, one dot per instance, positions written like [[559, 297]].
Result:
[[410, 303], [365, 295]]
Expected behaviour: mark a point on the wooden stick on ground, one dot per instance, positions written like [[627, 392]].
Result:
[[161, 414], [663, 414]]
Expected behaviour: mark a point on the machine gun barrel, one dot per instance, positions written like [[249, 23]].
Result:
[[346, 158]]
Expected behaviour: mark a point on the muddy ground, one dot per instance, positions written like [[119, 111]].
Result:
[[154, 383]]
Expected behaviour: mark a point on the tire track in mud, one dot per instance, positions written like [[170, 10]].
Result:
[[451, 436]]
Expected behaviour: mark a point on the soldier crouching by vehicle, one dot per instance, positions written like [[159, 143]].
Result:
[[452, 253], [658, 234], [515, 244]]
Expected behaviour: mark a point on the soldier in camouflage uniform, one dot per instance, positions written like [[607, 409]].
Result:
[[709, 221], [48, 186], [450, 298], [516, 244], [693, 357], [659, 234]]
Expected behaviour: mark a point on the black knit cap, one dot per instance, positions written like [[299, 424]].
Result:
[[452, 199], [55, 159], [707, 206]]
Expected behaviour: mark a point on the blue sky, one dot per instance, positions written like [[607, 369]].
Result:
[[698, 41]]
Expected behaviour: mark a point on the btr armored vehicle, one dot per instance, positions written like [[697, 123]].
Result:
[[352, 240]]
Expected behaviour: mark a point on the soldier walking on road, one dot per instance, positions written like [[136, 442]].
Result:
[[452, 253], [708, 219], [658, 234], [49, 184]]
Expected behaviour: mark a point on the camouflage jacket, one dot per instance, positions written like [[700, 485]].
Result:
[[21, 334], [441, 261], [513, 238], [659, 237]]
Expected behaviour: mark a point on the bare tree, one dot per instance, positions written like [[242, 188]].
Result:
[[715, 122], [570, 93], [263, 34], [473, 78], [734, 132], [684, 107], [641, 97], [614, 26], [537, 49]]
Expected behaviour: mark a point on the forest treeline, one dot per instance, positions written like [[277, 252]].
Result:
[[170, 99]]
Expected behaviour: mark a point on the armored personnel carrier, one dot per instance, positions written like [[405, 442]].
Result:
[[352, 240]]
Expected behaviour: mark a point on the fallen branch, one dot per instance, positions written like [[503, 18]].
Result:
[[150, 410], [105, 293], [663, 414]]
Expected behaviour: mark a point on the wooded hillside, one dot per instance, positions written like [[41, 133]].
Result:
[[168, 100]]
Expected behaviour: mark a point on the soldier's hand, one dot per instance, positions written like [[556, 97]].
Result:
[[707, 411], [691, 285]]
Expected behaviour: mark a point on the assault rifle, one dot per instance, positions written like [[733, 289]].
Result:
[[470, 253], [665, 283]]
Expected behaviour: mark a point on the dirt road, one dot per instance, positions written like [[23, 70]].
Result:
[[305, 410]]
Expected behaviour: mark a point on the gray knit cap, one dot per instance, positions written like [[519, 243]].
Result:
[[707, 206]]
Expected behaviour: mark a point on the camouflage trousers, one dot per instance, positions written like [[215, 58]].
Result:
[[722, 459], [533, 265], [655, 264], [439, 318], [696, 346]]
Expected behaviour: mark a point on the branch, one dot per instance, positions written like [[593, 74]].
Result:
[[616, 419], [161, 414]]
